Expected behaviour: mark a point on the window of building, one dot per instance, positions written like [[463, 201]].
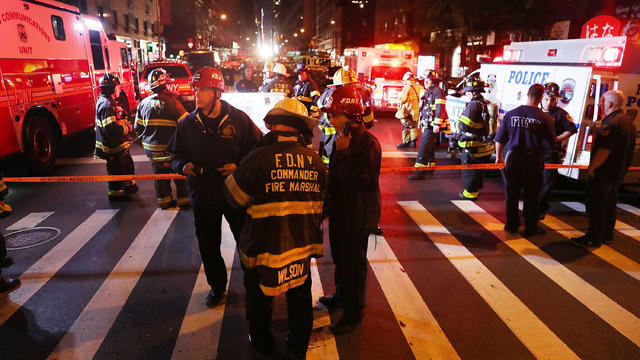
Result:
[[126, 22], [101, 13], [96, 50], [58, 27], [137, 25], [82, 5], [145, 27], [115, 20]]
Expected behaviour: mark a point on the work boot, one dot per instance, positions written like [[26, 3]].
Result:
[[5, 210], [184, 203], [6, 262], [402, 145], [8, 285], [510, 230], [131, 189], [585, 241], [168, 205], [214, 297], [118, 198], [330, 301], [412, 144], [461, 196], [344, 326]]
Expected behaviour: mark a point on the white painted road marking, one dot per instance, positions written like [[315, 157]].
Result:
[[30, 221], [620, 226], [632, 209], [322, 344]]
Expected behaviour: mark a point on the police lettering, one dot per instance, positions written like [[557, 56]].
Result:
[[527, 123], [290, 272], [528, 77]]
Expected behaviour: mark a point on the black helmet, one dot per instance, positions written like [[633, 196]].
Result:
[[430, 74], [474, 84], [301, 67], [109, 80], [158, 78], [552, 89]]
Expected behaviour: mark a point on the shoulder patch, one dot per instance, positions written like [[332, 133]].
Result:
[[605, 130]]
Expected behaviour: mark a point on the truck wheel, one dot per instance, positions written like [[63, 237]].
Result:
[[40, 145]]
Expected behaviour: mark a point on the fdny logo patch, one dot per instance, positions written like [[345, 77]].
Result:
[[348, 101], [228, 131], [22, 33], [567, 89]]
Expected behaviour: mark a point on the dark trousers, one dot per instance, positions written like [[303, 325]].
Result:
[[472, 179], [522, 171], [163, 187], [548, 182], [350, 257], [3, 250], [208, 223], [427, 147], [120, 163], [602, 196], [299, 315]]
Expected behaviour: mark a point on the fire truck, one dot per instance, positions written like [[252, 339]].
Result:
[[584, 68], [383, 70], [50, 63]]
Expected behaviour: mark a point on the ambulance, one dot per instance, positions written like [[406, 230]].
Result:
[[584, 69], [50, 62], [383, 70]]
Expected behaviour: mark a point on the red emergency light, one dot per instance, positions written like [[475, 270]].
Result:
[[611, 54], [364, 53], [552, 52]]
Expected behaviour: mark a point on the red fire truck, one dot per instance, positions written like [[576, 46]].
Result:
[[50, 61]]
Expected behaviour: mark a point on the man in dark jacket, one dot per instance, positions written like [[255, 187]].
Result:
[[157, 118], [207, 146], [282, 185], [611, 155], [245, 83], [353, 203], [306, 90], [6, 284]]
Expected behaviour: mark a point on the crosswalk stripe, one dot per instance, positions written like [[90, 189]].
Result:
[[532, 332], [421, 329], [628, 208], [30, 221], [604, 252], [322, 344], [90, 328], [201, 328], [91, 160], [620, 226], [615, 315], [40, 272]]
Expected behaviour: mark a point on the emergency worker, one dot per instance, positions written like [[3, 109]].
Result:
[[611, 154], [157, 118], [267, 73], [306, 90], [112, 143], [433, 117], [206, 147], [526, 134], [563, 129], [476, 129], [353, 203], [409, 111], [279, 82], [245, 83], [6, 284], [282, 185]]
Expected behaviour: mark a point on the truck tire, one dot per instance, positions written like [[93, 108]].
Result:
[[40, 145]]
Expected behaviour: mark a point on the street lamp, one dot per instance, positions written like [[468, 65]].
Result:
[[223, 17], [302, 30], [295, 34], [333, 22]]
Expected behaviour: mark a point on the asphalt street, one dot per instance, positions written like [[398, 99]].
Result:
[[124, 280]]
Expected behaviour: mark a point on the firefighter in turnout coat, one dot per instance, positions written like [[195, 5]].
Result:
[[306, 91], [409, 111]]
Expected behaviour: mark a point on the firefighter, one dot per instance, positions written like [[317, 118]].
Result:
[[353, 203], [433, 117], [267, 73], [526, 133], [306, 90], [112, 143], [282, 185], [206, 147], [6, 284], [245, 83], [476, 129], [409, 111], [564, 129], [279, 81], [157, 118]]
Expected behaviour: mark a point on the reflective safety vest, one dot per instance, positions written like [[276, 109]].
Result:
[[111, 130], [157, 118], [474, 127]]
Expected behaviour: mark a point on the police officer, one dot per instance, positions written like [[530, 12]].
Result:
[[563, 129], [207, 146], [409, 111], [306, 91], [157, 118], [611, 154], [112, 143], [526, 133], [6, 284], [282, 185], [245, 83], [279, 82], [476, 129], [353, 203], [433, 117]]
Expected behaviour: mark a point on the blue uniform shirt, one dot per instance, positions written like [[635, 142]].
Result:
[[528, 129]]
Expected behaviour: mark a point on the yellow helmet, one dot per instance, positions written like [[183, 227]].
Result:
[[344, 75], [293, 113], [280, 69]]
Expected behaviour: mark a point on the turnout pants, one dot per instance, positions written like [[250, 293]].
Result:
[[427, 148], [409, 131], [472, 179], [522, 171], [349, 254], [299, 314], [602, 196], [208, 223], [120, 163], [163, 187]]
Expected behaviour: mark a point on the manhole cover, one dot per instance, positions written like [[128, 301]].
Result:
[[27, 238]]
